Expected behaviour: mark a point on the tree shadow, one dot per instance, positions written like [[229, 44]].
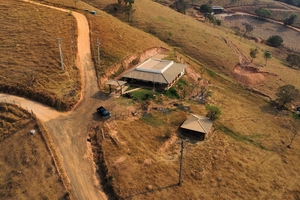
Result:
[[269, 109], [152, 190]]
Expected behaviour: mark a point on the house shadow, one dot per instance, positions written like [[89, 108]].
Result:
[[101, 96], [152, 190]]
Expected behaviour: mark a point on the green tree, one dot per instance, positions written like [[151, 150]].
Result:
[[267, 55], [213, 20], [286, 94], [293, 59], [248, 28], [181, 6], [253, 53], [274, 41], [206, 10], [263, 12], [290, 20], [213, 112]]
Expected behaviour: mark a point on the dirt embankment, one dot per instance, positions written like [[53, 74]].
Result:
[[130, 62], [44, 98]]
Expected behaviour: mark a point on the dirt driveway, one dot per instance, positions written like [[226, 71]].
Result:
[[69, 129]]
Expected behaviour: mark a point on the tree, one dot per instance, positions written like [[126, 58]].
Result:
[[293, 59], [275, 41], [290, 20], [213, 112], [248, 27], [206, 10], [181, 6], [263, 12], [267, 55], [286, 94], [253, 53]]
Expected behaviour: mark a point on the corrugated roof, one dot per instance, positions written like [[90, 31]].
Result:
[[115, 82], [197, 123], [170, 71]]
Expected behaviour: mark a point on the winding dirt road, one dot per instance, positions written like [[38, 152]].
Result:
[[69, 129]]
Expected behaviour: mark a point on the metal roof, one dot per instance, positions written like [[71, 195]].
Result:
[[158, 71], [115, 82], [197, 123]]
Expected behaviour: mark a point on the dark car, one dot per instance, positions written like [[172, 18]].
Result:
[[103, 112], [298, 111]]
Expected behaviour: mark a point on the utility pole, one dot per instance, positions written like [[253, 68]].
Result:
[[181, 157], [72, 31], [61, 58], [153, 85], [98, 51]]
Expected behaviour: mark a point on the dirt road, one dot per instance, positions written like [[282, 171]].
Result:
[[69, 129]]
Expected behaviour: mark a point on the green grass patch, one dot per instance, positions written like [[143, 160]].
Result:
[[151, 120], [296, 116], [172, 93], [242, 138]]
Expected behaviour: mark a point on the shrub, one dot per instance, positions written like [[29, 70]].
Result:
[[275, 41], [213, 112]]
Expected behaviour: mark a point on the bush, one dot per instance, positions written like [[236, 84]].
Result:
[[213, 112], [172, 93], [275, 41]]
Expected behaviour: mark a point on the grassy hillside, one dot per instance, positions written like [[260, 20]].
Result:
[[27, 168], [30, 59], [246, 155]]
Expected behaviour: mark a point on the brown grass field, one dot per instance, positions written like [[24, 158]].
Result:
[[27, 168], [30, 58], [246, 155]]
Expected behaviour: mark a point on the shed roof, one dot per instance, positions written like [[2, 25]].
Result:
[[115, 82], [154, 70], [217, 7], [197, 123]]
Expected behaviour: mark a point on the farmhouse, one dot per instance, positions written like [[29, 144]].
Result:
[[161, 74], [196, 126], [217, 9]]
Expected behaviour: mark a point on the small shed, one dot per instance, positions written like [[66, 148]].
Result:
[[196, 126], [217, 9], [115, 85]]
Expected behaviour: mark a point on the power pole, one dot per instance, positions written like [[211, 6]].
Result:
[[72, 31], [98, 51], [61, 58], [153, 84], [181, 157]]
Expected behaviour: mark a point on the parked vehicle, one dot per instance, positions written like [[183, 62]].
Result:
[[298, 111], [103, 112]]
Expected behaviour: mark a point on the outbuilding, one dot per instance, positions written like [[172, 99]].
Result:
[[196, 126], [217, 9], [161, 74]]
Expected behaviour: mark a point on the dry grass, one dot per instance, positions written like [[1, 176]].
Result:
[[27, 169], [30, 54], [264, 29], [246, 155]]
